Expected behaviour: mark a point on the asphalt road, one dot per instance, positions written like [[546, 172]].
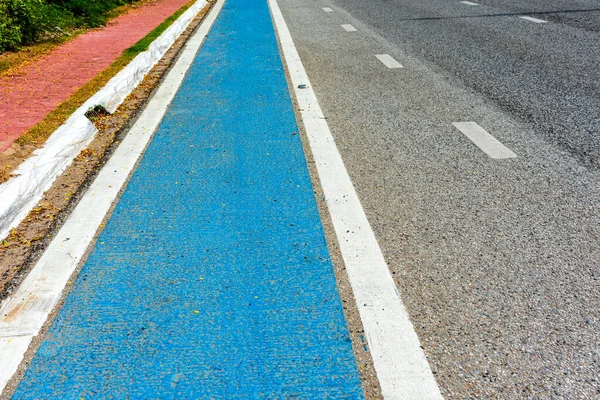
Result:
[[496, 260], [548, 76]]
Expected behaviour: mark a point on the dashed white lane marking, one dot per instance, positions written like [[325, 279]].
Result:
[[400, 363], [348, 28], [470, 3], [482, 139], [327, 9], [23, 314], [388, 61], [531, 19]]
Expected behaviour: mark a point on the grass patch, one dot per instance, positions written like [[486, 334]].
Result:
[[26, 22], [144, 43], [43, 129], [10, 61]]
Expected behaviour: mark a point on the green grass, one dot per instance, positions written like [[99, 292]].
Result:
[[27, 22], [144, 43], [11, 61], [41, 131]]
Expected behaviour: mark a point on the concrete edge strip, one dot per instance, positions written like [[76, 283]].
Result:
[[23, 314], [400, 363], [36, 174]]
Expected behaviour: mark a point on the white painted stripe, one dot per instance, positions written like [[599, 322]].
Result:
[[348, 28], [469, 3], [388, 61], [36, 174], [23, 314], [482, 139], [327, 9], [531, 19], [12, 350], [400, 363]]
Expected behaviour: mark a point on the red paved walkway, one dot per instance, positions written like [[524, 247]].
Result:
[[27, 97]]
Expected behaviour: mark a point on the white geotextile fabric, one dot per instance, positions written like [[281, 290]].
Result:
[[35, 175]]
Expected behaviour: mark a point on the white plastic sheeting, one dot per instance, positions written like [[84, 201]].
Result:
[[35, 175]]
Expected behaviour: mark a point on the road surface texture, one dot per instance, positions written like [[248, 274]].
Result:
[[496, 259], [212, 279]]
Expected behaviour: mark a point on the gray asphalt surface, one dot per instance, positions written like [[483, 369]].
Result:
[[547, 75], [497, 261]]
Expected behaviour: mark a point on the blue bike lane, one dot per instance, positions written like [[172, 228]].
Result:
[[212, 278]]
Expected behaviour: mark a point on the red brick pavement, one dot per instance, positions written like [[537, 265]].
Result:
[[39, 87]]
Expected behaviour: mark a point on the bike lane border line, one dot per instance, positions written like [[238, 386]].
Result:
[[262, 247], [400, 363], [24, 313], [38, 172]]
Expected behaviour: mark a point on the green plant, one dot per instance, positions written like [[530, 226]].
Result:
[[10, 34], [92, 12], [40, 132], [28, 21], [19, 22]]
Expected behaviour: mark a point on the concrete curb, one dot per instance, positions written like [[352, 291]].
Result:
[[35, 175], [24, 313]]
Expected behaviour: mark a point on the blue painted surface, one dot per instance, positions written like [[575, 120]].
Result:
[[212, 278]]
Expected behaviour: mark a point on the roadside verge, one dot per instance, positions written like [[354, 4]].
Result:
[[24, 315], [20, 250], [34, 176]]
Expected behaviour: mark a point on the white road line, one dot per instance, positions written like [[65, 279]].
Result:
[[23, 314], [482, 139], [531, 19], [400, 363], [470, 3], [388, 61], [327, 9], [348, 28]]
